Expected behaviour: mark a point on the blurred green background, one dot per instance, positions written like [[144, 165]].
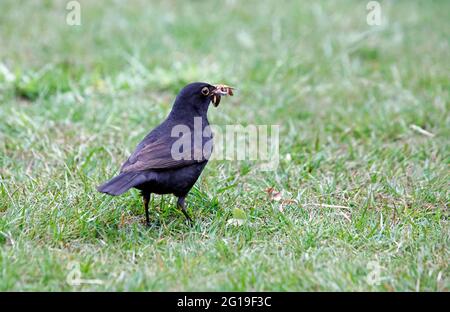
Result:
[[363, 115]]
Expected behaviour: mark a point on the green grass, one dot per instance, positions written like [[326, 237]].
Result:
[[74, 101]]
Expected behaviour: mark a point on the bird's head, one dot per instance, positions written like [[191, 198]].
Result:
[[197, 96]]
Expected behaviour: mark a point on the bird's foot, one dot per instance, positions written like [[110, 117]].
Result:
[[150, 224], [188, 218]]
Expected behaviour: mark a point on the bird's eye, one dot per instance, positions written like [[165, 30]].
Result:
[[205, 91]]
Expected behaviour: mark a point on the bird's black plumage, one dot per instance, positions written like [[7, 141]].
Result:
[[152, 168]]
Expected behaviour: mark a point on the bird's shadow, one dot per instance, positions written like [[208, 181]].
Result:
[[165, 216]]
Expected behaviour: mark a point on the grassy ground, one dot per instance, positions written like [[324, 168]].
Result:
[[350, 99]]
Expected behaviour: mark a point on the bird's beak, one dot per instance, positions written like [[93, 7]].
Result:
[[220, 90]]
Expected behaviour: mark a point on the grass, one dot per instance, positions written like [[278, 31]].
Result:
[[74, 101]]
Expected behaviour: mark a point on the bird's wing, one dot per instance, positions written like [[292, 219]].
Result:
[[157, 155]]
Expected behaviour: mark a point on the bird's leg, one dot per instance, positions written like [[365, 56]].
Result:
[[182, 206], [146, 199]]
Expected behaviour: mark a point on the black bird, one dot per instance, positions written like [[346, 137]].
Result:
[[166, 162]]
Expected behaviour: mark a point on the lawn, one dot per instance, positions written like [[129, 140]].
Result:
[[364, 146]]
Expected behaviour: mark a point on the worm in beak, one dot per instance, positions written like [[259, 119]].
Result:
[[219, 91]]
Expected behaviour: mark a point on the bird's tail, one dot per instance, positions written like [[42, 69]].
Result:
[[121, 183]]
